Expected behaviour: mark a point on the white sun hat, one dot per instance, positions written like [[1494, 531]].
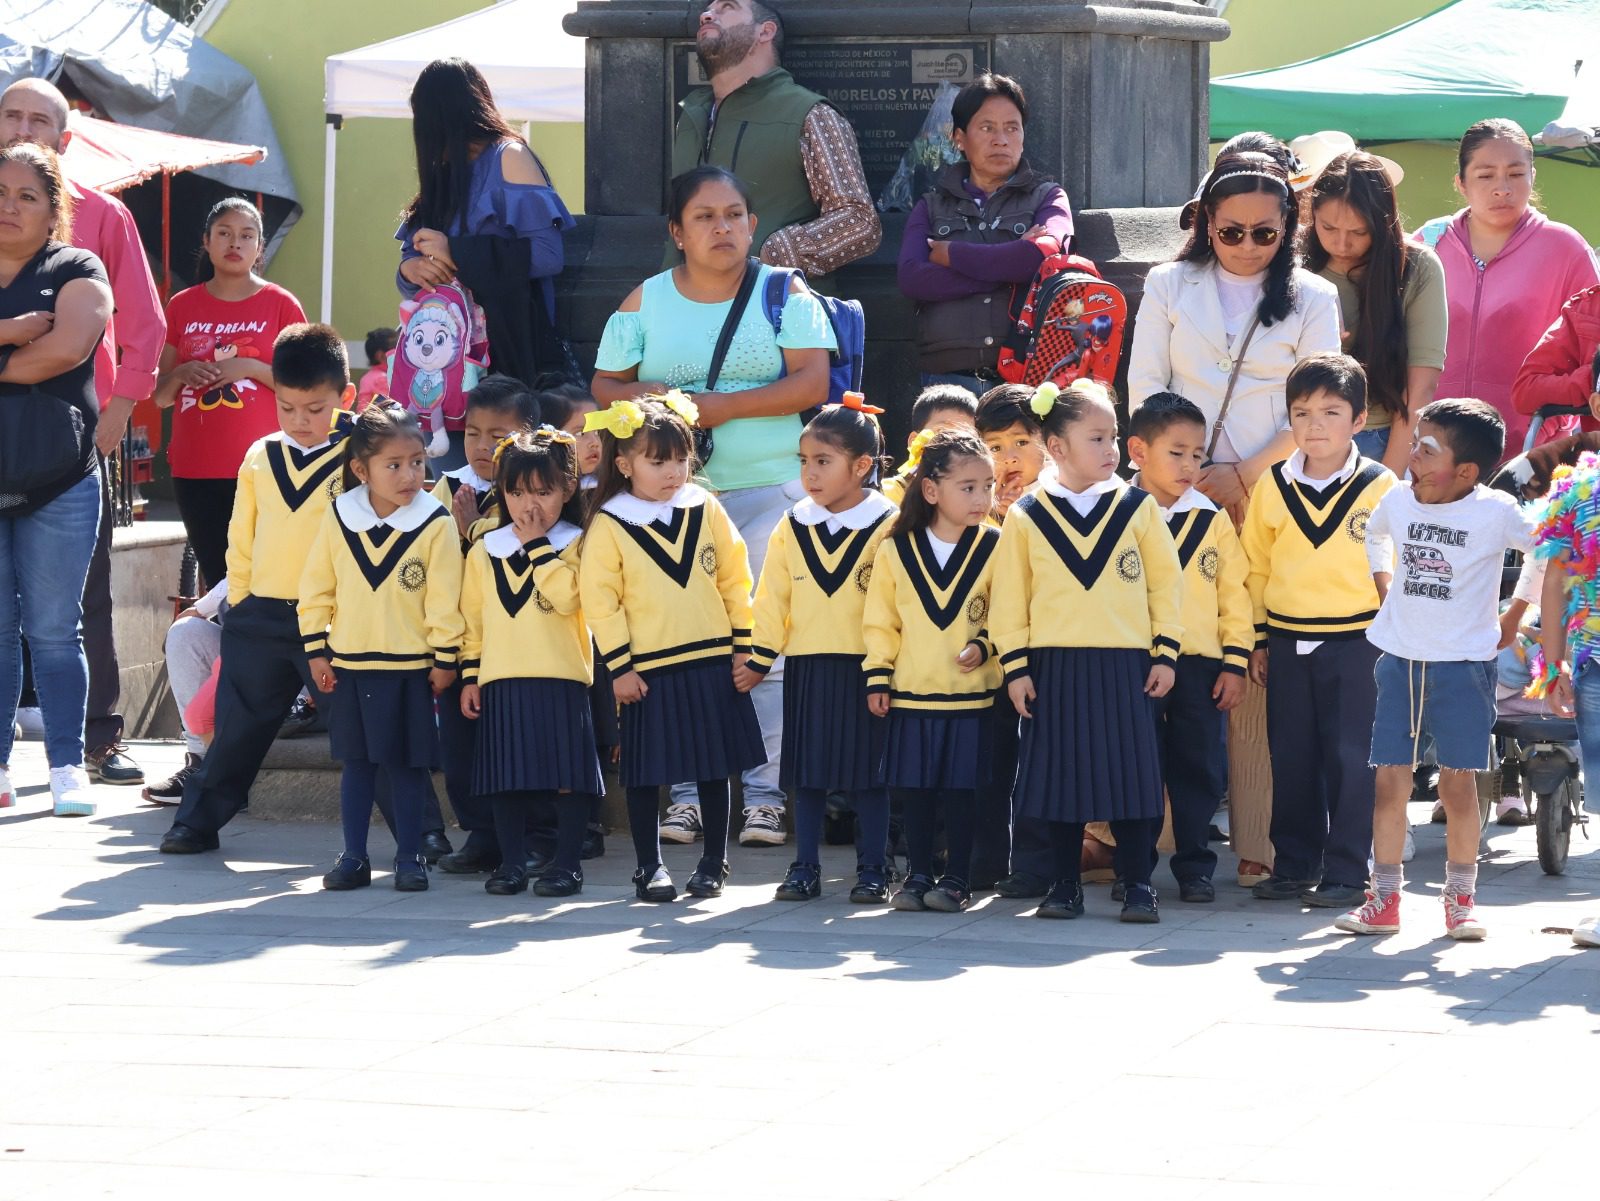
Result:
[[1316, 150]]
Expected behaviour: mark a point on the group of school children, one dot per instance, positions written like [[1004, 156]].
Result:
[[1069, 644]]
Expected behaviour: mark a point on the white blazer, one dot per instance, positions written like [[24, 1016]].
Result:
[[1180, 345]]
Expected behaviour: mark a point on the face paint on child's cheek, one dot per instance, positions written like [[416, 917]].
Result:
[[1429, 442]]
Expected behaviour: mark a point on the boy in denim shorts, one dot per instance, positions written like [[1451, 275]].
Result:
[[1436, 545]]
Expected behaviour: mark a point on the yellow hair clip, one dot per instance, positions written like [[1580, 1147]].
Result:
[[549, 433], [502, 444], [678, 401], [919, 443], [621, 419], [1044, 399]]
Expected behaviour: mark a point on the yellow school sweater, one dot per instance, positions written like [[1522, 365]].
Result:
[[451, 482], [1217, 619], [383, 594], [1107, 578], [1309, 576], [665, 584], [919, 617], [282, 494], [814, 583], [520, 606]]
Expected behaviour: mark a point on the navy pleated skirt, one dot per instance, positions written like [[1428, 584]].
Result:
[[383, 717], [1089, 752], [930, 749], [692, 725], [830, 739], [603, 706], [533, 736]]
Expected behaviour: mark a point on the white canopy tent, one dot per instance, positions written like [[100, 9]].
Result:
[[534, 67], [1579, 123]]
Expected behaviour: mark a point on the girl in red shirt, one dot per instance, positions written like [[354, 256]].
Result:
[[217, 370]]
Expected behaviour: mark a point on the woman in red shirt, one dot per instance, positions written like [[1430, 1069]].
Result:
[[217, 369]]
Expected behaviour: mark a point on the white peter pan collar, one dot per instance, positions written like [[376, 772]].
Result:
[[1192, 499], [291, 444], [356, 512], [503, 542], [858, 517], [1083, 502], [1295, 468], [625, 506], [471, 478]]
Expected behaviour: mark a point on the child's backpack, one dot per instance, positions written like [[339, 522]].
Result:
[[442, 353], [1067, 326], [849, 331]]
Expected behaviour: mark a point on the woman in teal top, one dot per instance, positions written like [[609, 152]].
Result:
[[663, 337]]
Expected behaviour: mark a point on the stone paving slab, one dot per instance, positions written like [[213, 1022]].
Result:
[[217, 1025]]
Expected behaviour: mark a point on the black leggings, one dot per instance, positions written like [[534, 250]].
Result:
[[644, 822], [921, 809], [206, 506], [511, 824]]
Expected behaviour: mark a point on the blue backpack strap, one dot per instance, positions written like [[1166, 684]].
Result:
[[777, 293]]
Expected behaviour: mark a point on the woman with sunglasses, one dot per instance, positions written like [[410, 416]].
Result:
[[1391, 296], [1223, 325]]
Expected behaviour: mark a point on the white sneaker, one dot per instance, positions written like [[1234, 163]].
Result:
[[681, 824], [70, 788], [7, 797], [1410, 850], [763, 827], [1587, 933]]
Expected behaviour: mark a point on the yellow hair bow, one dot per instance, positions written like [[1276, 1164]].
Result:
[[1044, 398], [919, 443], [549, 433], [502, 444], [678, 401], [621, 419]]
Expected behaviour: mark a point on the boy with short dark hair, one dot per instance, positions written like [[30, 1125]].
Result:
[[936, 405], [287, 481], [1167, 443], [1011, 432], [1436, 545], [1314, 597]]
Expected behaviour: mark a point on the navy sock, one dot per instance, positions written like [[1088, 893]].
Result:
[[919, 809], [1134, 854], [356, 786], [960, 811], [716, 811], [644, 823], [809, 806], [872, 827], [572, 820], [409, 788], [510, 811], [1066, 842]]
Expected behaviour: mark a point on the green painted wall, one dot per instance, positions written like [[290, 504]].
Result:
[[284, 42], [1274, 33]]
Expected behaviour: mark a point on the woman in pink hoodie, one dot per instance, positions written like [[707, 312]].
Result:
[[1507, 269]]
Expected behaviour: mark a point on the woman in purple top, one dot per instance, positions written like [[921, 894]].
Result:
[[486, 214], [976, 235]]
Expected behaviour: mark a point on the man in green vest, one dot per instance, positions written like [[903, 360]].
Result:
[[794, 150]]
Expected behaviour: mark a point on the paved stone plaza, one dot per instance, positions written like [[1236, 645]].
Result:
[[216, 1026]]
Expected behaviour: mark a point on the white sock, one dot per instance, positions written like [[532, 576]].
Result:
[[1388, 878], [1460, 879]]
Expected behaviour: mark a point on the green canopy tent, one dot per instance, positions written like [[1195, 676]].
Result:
[[1428, 79]]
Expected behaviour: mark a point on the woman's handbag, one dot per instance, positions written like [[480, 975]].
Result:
[[41, 439]]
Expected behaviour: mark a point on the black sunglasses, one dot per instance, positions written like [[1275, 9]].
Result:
[[1232, 235]]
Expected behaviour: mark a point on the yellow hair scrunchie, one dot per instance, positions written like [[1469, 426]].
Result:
[[678, 401], [1044, 399], [621, 419], [919, 443], [502, 444], [549, 433]]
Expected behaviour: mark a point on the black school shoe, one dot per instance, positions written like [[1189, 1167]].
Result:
[[435, 846], [872, 885], [1199, 891], [654, 884], [506, 882], [411, 875], [1063, 900], [949, 895], [1331, 895], [912, 893], [802, 883], [707, 883], [1281, 888], [1119, 891], [1140, 905], [1022, 886], [181, 840], [348, 873], [558, 883], [471, 859], [594, 843]]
